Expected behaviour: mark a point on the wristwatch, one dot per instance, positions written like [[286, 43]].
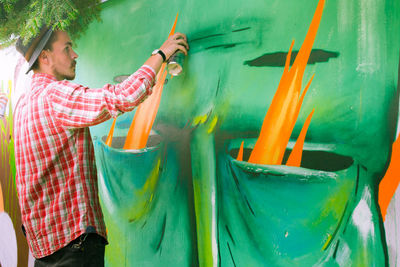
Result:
[[158, 51]]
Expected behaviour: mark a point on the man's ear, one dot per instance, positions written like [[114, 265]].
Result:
[[44, 58]]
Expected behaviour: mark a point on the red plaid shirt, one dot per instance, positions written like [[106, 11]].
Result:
[[56, 173]]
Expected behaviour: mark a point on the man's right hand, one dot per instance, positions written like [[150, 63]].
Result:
[[175, 42]]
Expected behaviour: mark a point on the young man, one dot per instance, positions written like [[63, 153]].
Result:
[[56, 174]]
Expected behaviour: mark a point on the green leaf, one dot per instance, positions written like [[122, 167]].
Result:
[[24, 18]]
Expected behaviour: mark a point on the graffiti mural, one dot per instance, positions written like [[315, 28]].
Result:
[[267, 150], [186, 198], [8, 242], [13, 246], [257, 73]]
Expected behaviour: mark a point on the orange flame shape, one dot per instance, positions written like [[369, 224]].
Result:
[[240, 153], [111, 133], [391, 180], [145, 115], [296, 155], [284, 109]]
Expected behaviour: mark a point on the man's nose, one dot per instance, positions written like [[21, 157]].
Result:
[[74, 54]]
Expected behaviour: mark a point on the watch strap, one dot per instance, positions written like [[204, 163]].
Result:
[[161, 53]]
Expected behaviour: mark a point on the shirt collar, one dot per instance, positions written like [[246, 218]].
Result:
[[44, 76], [39, 79]]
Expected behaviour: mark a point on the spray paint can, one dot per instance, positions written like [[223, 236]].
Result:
[[175, 63]]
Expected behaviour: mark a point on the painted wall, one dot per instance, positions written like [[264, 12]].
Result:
[[13, 246], [185, 199]]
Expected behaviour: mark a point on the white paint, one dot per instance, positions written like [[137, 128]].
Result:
[[370, 30], [7, 64], [345, 16], [366, 68], [9, 58], [343, 254], [362, 216], [21, 84], [135, 7], [392, 224], [31, 260], [392, 232], [8, 242], [398, 122]]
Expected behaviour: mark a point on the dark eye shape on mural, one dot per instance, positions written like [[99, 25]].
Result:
[[314, 159], [119, 141], [320, 159], [244, 32], [277, 59]]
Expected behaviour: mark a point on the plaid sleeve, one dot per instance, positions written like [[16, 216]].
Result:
[[76, 106]]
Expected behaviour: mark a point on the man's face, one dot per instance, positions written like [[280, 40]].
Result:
[[249, 214], [62, 57]]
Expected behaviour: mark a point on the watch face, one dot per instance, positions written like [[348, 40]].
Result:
[[154, 52]]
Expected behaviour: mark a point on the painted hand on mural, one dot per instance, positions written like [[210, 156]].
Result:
[[185, 200]]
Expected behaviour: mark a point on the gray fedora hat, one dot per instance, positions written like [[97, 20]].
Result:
[[34, 47]]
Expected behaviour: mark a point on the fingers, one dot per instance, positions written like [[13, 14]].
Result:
[[183, 43], [183, 49], [179, 35], [177, 41], [180, 39]]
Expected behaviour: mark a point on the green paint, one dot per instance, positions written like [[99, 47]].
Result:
[[264, 215], [205, 194], [7, 158], [151, 202]]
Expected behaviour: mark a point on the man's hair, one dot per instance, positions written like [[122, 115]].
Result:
[[48, 46]]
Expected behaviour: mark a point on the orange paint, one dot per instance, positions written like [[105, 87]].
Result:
[[240, 153], [111, 133], [295, 157], [285, 106], [145, 115], [391, 180]]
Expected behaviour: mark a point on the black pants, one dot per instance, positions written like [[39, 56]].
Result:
[[85, 251]]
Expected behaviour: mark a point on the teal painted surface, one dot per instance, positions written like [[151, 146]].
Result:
[[323, 214], [151, 202]]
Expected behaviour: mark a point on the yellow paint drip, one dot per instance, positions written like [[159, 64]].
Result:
[[199, 120], [212, 125], [147, 189], [9, 88], [328, 241]]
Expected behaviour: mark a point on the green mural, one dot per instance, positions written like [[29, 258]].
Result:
[[185, 200], [13, 245]]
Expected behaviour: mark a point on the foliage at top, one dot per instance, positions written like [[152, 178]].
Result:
[[24, 18]]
